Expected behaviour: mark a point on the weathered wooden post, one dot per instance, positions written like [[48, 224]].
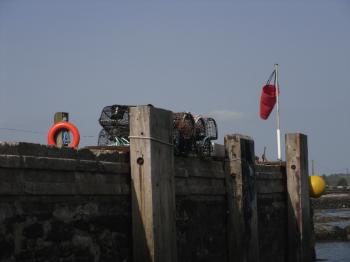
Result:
[[242, 200], [60, 116], [153, 195], [299, 220]]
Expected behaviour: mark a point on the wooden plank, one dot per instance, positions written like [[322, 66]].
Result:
[[72, 189], [199, 186], [242, 200], [204, 198], [278, 197], [58, 182], [197, 167], [62, 164], [270, 176], [266, 168], [153, 196], [300, 247], [280, 169], [270, 186]]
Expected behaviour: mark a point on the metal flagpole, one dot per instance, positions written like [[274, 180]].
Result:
[[278, 132]]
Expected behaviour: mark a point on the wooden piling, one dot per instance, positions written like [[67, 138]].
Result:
[[242, 200], [152, 174], [58, 117], [299, 220]]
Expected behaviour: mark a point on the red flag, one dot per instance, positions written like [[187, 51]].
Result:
[[267, 100]]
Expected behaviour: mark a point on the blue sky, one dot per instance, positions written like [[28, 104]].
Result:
[[206, 57]]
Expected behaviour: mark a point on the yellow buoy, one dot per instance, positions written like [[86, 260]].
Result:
[[317, 186]]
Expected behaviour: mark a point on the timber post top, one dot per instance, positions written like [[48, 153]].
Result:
[[157, 126]]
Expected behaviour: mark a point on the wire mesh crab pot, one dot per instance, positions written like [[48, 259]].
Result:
[[206, 131], [115, 117], [106, 139], [183, 133], [115, 122], [190, 134], [200, 127]]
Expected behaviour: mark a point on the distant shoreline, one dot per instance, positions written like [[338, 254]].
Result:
[[332, 217], [332, 225], [332, 201]]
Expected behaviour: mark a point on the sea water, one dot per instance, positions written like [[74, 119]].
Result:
[[333, 251]]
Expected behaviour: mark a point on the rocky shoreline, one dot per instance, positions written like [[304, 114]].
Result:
[[332, 217], [325, 232], [331, 201]]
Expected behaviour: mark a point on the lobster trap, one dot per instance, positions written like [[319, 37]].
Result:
[[183, 133], [106, 139], [206, 131], [115, 122], [194, 134], [191, 135]]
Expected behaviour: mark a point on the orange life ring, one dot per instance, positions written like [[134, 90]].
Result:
[[63, 125]]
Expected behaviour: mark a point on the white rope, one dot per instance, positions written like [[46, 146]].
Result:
[[153, 139]]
